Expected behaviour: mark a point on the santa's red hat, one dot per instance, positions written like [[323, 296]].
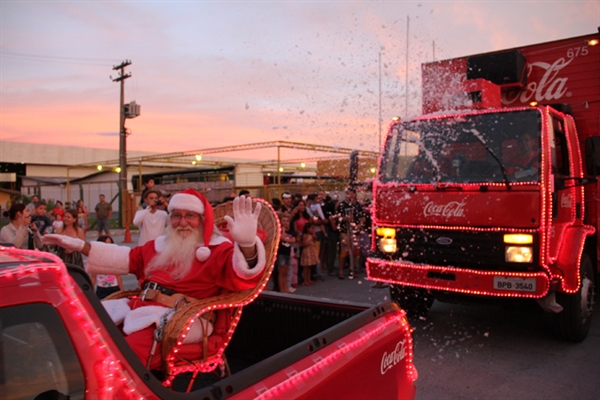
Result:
[[191, 200]]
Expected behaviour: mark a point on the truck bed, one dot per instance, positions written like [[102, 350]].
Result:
[[277, 329]]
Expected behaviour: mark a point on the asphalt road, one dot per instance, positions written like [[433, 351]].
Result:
[[484, 351]]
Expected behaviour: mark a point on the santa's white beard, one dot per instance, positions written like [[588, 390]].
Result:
[[179, 253]]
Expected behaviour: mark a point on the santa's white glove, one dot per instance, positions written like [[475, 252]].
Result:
[[244, 222], [67, 242]]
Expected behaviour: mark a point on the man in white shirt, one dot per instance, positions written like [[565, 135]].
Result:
[[151, 220]]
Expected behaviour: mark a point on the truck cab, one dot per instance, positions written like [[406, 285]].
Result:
[[493, 199]]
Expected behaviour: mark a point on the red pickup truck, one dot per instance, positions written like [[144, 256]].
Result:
[[57, 340]]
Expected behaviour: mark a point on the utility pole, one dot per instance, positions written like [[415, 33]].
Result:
[[122, 140]]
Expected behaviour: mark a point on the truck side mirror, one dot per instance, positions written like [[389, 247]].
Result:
[[592, 155]]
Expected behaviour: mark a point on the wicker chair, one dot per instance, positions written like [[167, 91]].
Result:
[[208, 355]]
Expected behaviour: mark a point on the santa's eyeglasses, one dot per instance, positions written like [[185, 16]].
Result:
[[188, 217]]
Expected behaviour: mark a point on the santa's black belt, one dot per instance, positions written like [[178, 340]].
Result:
[[167, 297], [156, 286]]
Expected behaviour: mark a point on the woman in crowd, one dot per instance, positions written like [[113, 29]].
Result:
[[58, 210], [71, 228], [20, 231]]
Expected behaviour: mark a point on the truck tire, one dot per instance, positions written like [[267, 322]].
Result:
[[573, 323], [415, 301]]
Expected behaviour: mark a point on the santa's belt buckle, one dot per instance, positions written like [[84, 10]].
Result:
[[150, 291]]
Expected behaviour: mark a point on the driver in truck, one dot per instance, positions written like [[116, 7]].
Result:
[[527, 162]]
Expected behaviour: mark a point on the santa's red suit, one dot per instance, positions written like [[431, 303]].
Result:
[[221, 269]]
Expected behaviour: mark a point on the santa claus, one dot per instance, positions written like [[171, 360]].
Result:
[[192, 259]]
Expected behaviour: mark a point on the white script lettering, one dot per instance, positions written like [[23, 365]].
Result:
[[389, 360]]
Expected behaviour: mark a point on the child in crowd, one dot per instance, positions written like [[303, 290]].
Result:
[[57, 224], [106, 284], [309, 256]]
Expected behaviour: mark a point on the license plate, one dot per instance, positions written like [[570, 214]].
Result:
[[518, 284]]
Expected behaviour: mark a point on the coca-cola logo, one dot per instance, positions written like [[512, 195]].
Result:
[[451, 209], [550, 86], [389, 360]]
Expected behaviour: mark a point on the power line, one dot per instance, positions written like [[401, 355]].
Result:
[[56, 59]]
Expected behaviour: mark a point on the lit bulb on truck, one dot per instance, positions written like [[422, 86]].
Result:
[[387, 245], [519, 254]]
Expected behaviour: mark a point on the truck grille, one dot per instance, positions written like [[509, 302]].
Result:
[[459, 249]]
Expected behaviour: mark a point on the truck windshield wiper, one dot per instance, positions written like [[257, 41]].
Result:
[[445, 186], [475, 133]]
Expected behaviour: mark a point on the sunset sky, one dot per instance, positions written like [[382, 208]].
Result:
[[224, 73]]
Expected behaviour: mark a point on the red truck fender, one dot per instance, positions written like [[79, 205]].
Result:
[[569, 256]]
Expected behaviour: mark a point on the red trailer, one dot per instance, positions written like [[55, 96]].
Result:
[[493, 192]]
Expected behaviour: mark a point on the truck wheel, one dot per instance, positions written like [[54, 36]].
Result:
[[415, 301], [573, 323]]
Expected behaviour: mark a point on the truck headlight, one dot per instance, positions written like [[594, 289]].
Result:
[[387, 239], [387, 245], [519, 254]]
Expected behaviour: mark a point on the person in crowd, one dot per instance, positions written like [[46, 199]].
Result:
[[34, 199], [245, 193], [192, 258], [57, 224], [313, 207], [20, 231], [309, 257], [71, 229], [299, 218], [163, 201], [288, 238], [148, 185], [350, 216], [276, 204], [333, 235], [151, 220], [103, 213], [58, 209], [286, 203], [41, 219], [82, 215], [106, 284]]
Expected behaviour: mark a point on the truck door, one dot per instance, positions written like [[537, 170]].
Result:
[[563, 197]]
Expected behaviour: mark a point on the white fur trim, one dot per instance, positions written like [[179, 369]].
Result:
[[218, 239], [202, 253], [108, 258], [160, 243], [146, 316], [143, 317], [240, 266], [117, 309], [187, 202], [196, 333]]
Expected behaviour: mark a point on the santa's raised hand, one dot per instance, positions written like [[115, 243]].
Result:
[[244, 223]]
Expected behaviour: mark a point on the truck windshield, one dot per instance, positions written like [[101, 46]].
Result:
[[483, 148]]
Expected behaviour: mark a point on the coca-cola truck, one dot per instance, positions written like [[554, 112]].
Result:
[[492, 194]]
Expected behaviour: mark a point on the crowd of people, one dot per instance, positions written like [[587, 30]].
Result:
[[320, 235]]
